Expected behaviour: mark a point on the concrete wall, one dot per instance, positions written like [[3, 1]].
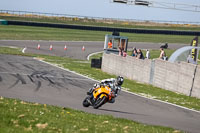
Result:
[[128, 66], [196, 85], [177, 77]]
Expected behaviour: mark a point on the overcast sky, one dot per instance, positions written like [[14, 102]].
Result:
[[103, 8]]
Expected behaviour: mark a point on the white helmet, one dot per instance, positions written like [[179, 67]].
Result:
[[120, 80]]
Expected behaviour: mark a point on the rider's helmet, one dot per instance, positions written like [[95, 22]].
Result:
[[120, 80]]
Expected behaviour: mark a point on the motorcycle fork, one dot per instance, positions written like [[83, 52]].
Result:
[[92, 99]]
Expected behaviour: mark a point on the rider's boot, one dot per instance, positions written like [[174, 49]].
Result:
[[112, 100]]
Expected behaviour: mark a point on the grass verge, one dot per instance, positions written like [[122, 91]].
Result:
[[42, 33], [18, 116], [132, 86]]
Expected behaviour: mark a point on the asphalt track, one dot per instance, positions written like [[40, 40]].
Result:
[[31, 80], [74, 48]]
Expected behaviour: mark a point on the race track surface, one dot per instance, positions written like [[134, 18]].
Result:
[[31, 80], [74, 48]]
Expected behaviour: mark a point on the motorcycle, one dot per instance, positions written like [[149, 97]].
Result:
[[101, 95]]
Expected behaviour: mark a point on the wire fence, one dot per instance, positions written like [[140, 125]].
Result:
[[41, 15]]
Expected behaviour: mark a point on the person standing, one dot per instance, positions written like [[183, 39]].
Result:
[[162, 54], [134, 53], [147, 54], [110, 44], [120, 51], [140, 54]]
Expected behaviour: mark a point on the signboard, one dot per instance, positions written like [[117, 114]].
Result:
[[194, 53]]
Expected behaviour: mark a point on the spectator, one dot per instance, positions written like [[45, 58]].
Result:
[[110, 44], [134, 53], [124, 54], [162, 54], [140, 54], [147, 54], [120, 51]]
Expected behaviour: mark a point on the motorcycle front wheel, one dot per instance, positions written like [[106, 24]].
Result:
[[86, 102], [99, 102]]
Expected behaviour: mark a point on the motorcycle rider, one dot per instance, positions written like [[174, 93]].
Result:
[[114, 84]]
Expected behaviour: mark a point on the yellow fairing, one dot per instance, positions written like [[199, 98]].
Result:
[[103, 91], [103, 95]]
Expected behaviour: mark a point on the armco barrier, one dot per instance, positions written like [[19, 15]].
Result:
[[109, 29], [3, 22], [178, 77]]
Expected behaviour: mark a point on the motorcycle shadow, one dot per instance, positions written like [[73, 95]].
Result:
[[122, 112]]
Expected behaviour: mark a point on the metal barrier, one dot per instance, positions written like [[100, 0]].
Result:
[[109, 29]]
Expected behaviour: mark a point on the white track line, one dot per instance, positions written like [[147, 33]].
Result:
[[122, 90], [9, 46], [162, 101], [88, 57]]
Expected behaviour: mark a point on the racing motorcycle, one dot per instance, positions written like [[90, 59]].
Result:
[[99, 96]]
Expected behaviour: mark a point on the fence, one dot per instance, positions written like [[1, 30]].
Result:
[[178, 77], [41, 14]]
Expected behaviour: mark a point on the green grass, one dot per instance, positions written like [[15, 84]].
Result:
[[141, 89], [19, 116], [42, 33]]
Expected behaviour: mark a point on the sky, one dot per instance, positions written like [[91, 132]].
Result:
[[104, 8]]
